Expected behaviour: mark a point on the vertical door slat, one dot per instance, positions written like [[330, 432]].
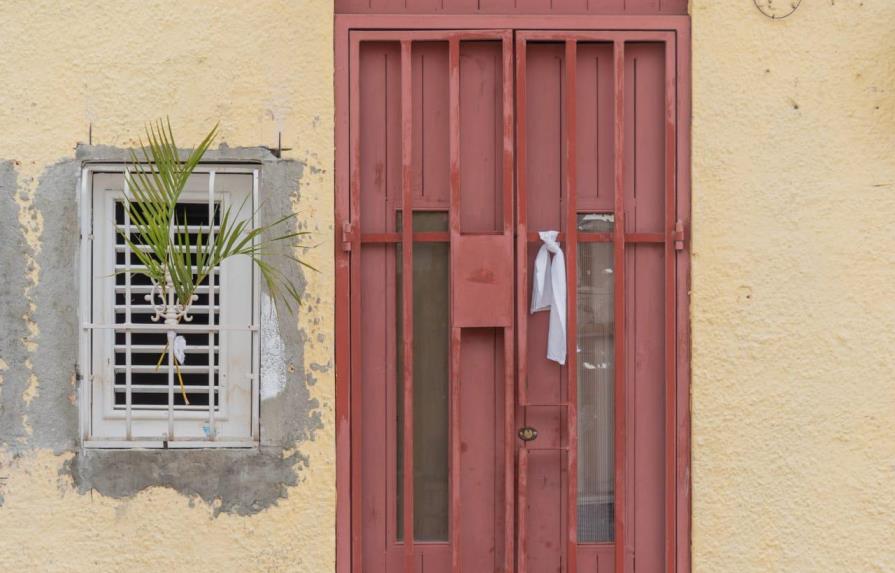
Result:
[[682, 333], [455, 399], [571, 309], [619, 255], [355, 311], [522, 307], [456, 333], [521, 224], [670, 307], [407, 291], [508, 337]]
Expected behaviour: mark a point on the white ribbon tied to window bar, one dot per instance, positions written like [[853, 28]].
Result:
[[549, 293], [180, 349]]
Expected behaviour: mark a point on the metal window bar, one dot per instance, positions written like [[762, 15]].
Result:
[[211, 433], [171, 336], [137, 327], [128, 393], [129, 350], [121, 345], [256, 319]]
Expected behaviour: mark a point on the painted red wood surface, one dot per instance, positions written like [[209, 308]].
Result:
[[431, 127], [513, 6]]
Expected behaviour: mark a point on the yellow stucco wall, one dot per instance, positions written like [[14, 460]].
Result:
[[794, 287], [793, 269], [259, 68]]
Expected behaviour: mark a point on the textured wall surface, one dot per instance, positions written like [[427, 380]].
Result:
[[794, 287], [259, 69], [793, 274]]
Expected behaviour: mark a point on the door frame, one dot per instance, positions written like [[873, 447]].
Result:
[[678, 493]]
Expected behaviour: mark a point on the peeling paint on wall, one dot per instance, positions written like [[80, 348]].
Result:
[[49, 418], [32, 415], [273, 360], [229, 481], [83, 510]]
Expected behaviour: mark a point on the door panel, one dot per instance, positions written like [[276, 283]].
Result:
[[449, 185], [594, 165], [481, 85], [431, 154], [546, 382], [481, 449], [644, 201], [437, 344]]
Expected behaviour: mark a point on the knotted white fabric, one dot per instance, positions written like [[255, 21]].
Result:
[[549, 293], [180, 349]]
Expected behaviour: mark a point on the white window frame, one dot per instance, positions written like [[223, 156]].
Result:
[[236, 422]]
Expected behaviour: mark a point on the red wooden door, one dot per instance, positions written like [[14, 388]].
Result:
[[484, 138]]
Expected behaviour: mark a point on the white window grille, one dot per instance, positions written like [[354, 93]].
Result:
[[134, 399]]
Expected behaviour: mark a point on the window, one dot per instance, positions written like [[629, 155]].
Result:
[[131, 398]]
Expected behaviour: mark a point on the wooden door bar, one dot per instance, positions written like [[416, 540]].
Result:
[[456, 333], [430, 35], [522, 481], [682, 335], [619, 274], [407, 293], [521, 300], [670, 306], [356, 397], [509, 342], [533, 238], [571, 308], [658, 238], [597, 36]]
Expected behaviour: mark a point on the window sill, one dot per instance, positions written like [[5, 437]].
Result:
[[166, 445]]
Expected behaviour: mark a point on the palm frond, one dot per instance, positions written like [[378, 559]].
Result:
[[157, 177]]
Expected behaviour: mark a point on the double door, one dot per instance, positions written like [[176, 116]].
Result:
[[470, 450]]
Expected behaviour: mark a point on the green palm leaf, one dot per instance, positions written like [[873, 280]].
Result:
[[156, 179]]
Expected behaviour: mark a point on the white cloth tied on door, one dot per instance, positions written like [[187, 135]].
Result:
[[549, 293]]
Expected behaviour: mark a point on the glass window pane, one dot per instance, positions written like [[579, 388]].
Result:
[[595, 222], [596, 375], [431, 340]]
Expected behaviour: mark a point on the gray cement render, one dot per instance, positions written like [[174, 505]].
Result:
[[238, 481]]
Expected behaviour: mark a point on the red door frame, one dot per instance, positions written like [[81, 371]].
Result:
[[677, 321]]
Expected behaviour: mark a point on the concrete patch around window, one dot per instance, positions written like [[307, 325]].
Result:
[[39, 347]]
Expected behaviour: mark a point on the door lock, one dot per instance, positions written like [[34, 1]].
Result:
[[527, 434]]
